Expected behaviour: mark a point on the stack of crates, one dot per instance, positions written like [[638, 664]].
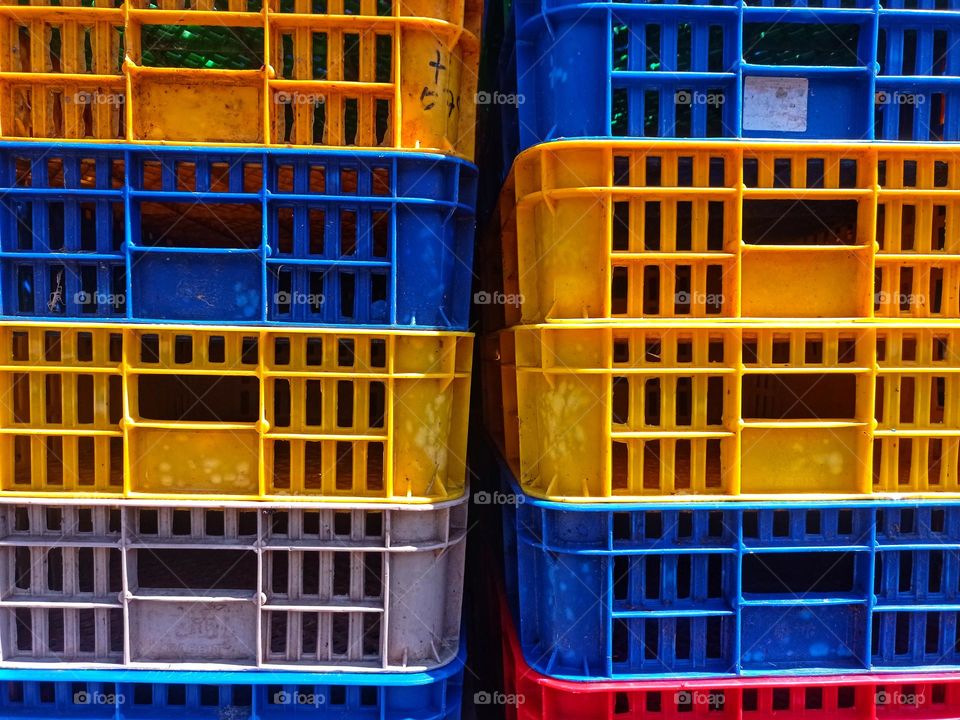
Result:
[[235, 247], [722, 384]]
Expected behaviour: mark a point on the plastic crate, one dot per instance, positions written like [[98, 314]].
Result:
[[727, 230], [891, 696], [166, 587], [369, 73], [719, 589], [232, 695], [807, 70], [656, 410], [90, 232], [235, 414]]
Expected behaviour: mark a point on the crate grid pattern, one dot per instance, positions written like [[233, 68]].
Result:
[[868, 697], [300, 414], [661, 230], [383, 592], [368, 73], [713, 590], [641, 411], [857, 71], [226, 236]]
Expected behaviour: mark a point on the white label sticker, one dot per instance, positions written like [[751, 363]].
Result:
[[778, 104]]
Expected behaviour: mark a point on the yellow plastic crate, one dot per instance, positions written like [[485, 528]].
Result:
[[367, 73], [233, 414], [730, 409], [611, 230]]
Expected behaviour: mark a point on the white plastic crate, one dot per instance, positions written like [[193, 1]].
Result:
[[325, 587]]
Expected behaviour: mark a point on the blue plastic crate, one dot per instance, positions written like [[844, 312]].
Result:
[[136, 695], [620, 591], [833, 69], [213, 235]]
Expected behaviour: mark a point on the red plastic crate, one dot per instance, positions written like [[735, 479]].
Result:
[[528, 695]]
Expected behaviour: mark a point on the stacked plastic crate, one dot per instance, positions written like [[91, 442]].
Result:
[[234, 367], [728, 368]]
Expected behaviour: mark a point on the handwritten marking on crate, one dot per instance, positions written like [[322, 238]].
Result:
[[238, 77]]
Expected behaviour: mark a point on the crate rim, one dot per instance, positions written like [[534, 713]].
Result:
[[727, 144], [81, 325], [248, 325], [866, 12], [349, 502], [728, 323], [731, 144], [375, 504], [737, 503], [181, 16], [241, 677], [308, 151]]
